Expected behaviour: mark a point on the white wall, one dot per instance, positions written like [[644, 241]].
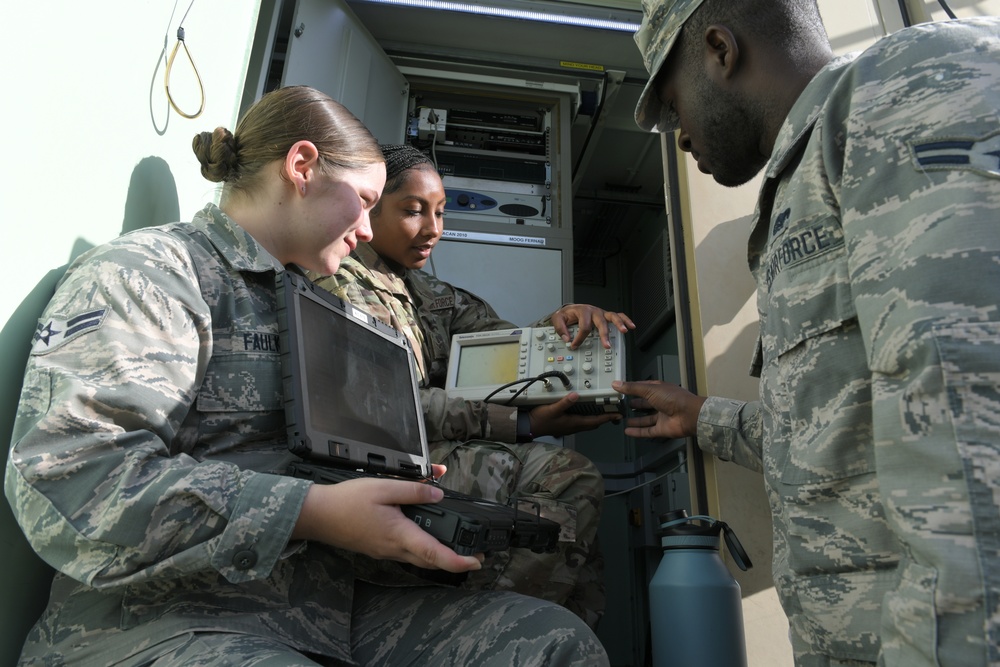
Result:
[[78, 114]]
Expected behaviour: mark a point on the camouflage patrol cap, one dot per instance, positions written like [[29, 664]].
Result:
[[661, 24]]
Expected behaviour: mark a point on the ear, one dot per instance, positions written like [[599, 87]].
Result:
[[722, 52], [301, 164]]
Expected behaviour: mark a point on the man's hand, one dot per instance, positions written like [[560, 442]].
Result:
[[587, 318], [676, 409]]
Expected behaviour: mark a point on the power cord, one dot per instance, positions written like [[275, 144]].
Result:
[[905, 13], [947, 9], [432, 119], [647, 483], [170, 66]]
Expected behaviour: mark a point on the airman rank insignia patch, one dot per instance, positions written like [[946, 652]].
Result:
[[56, 331], [981, 155]]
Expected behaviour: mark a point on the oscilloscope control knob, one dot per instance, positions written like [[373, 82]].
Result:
[[587, 367], [568, 369]]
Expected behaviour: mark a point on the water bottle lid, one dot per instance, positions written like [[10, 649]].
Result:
[[679, 531]]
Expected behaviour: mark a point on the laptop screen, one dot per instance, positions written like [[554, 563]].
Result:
[[350, 385], [357, 382]]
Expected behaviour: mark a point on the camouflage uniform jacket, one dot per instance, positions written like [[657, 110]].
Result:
[[429, 311], [154, 372], [876, 252]]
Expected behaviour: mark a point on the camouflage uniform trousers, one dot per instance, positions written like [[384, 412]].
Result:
[[568, 489], [412, 626], [809, 659], [805, 655]]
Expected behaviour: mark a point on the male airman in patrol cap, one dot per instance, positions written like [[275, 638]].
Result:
[[874, 248]]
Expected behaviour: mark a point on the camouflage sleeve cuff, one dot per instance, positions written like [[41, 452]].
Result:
[[259, 527], [730, 430], [503, 422]]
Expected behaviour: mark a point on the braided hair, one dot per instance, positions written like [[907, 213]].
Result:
[[399, 160]]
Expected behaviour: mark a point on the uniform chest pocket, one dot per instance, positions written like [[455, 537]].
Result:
[[242, 382], [815, 378], [805, 300]]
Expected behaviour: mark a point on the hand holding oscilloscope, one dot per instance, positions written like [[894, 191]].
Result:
[[668, 410], [557, 419]]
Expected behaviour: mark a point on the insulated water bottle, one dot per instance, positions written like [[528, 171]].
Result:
[[695, 607]]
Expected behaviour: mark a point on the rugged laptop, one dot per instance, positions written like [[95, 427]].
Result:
[[352, 407]]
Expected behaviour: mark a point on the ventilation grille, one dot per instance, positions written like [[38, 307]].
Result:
[[653, 292]]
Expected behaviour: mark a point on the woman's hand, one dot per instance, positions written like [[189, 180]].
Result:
[[553, 419], [588, 317], [363, 515]]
